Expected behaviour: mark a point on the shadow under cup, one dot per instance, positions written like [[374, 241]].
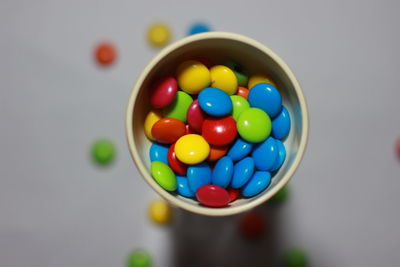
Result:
[[254, 57]]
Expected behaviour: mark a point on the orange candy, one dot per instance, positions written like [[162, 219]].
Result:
[[217, 152], [105, 54], [243, 92]]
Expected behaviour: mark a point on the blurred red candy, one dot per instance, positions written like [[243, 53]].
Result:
[[212, 196], [252, 225], [176, 165], [105, 53], [233, 193], [163, 92]]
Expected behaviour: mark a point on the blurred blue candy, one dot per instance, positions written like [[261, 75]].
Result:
[[198, 27], [281, 156], [183, 186]]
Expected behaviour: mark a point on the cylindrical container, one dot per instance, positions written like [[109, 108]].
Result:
[[219, 46]]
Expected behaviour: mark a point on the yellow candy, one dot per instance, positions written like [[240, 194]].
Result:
[[160, 212], [193, 76], [192, 149], [224, 78], [259, 78], [158, 34], [152, 117]]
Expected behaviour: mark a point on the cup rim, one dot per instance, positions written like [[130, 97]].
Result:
[[230, 210]]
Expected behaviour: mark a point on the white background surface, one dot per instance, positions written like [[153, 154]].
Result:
[[57, 209]]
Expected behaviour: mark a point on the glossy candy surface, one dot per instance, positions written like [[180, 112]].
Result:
[[152, 117], [193, 76], [265, 154], [192, 149], [183, 186], [217, 152], [212, 196], [168, 130], [259, 78], [239, 104], [280, 159], [178, 107], [222, 172], [266, 97], [240, 149], [224, 78], [237, 69], [215, 102], [219, 131], [163, 175], [243, 92], [195, 116], [163, 92], [257, 184], [175, 164], [254, 125], [243, 171], [281, 124], [198, 175], [158, 152], [234, 193]]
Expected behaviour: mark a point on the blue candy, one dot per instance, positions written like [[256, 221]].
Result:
[[243, 171], [281, 156], [183, 186], [223, 171], [198, 28], [266, 97], [239, 149], [281, 124], [257, 184], [198, 175], [215, 102], [158, 153], [265, 154]]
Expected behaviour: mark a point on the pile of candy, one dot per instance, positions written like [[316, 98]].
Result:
[[214, 139]]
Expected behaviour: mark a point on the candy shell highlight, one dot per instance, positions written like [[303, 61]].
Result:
[[193, 76], [192, 149], [151, 118], [224, 78], [163, 175]]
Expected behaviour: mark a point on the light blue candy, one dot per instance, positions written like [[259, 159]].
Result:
[[265, 154], [257, 184], [243, 171], [239, 149], [198, 28], [281, 156], [183, 186], [266, 97], [215, 102], [223, 171], [198, 175], [158, 153], [281, 124]]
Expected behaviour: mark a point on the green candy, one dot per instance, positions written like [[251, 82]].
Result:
[[237, 70], [163, 175], [254, 125], [281, 195], [239, 105], [138, 258], [178, 108], [103, 152], [295, 258]]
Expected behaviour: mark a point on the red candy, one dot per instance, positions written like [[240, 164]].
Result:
[[168, 130], [164, 92], [212, 196], [195, 116], [217, 152], [189, 130], [233, 193], [398, 148], [219, 131], [243, 92], [105, 54], [252, 225], [176, 165]]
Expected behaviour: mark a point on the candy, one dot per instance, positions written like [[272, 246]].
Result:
[[195, 116], [281, 155], [105, 54], [240, 149], [198, 27], [163, 175], [223, 78], [189, 130], [252, 225], [164, 92], [219, 131], [265, 96], [139, 258], [257, 183], [239, 105], [160, 212], [397, 148], [158, 152], [176, 165], [243, 92], [265, 154], [295, 258], [237, 69], [222, 173], [254, 125], [217, 152], [158, 34], [192, 149], [212, 196], [198, 175], [259, 78], [183, 186], [152, 117], [243, 171], [193, 76], [281, 124], [234, 193], [168, 130], [103, 152], [215, 102], [179, 106]]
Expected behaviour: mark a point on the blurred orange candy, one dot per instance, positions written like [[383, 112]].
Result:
[[105, 54]]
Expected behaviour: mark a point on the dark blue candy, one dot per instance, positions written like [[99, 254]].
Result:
[[158, 153], [198, 175], [265, 154], [266, 97], [243, 171], [257, 184], [281, 156], [281, 124], [239, 149], [215, 102], [223, 171], [183, 186]]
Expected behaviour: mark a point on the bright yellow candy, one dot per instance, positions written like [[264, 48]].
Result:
[[158, 34], [192, 149], [160, 211], [259, 78], [152, 117], [224, 78], [193, 76]]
